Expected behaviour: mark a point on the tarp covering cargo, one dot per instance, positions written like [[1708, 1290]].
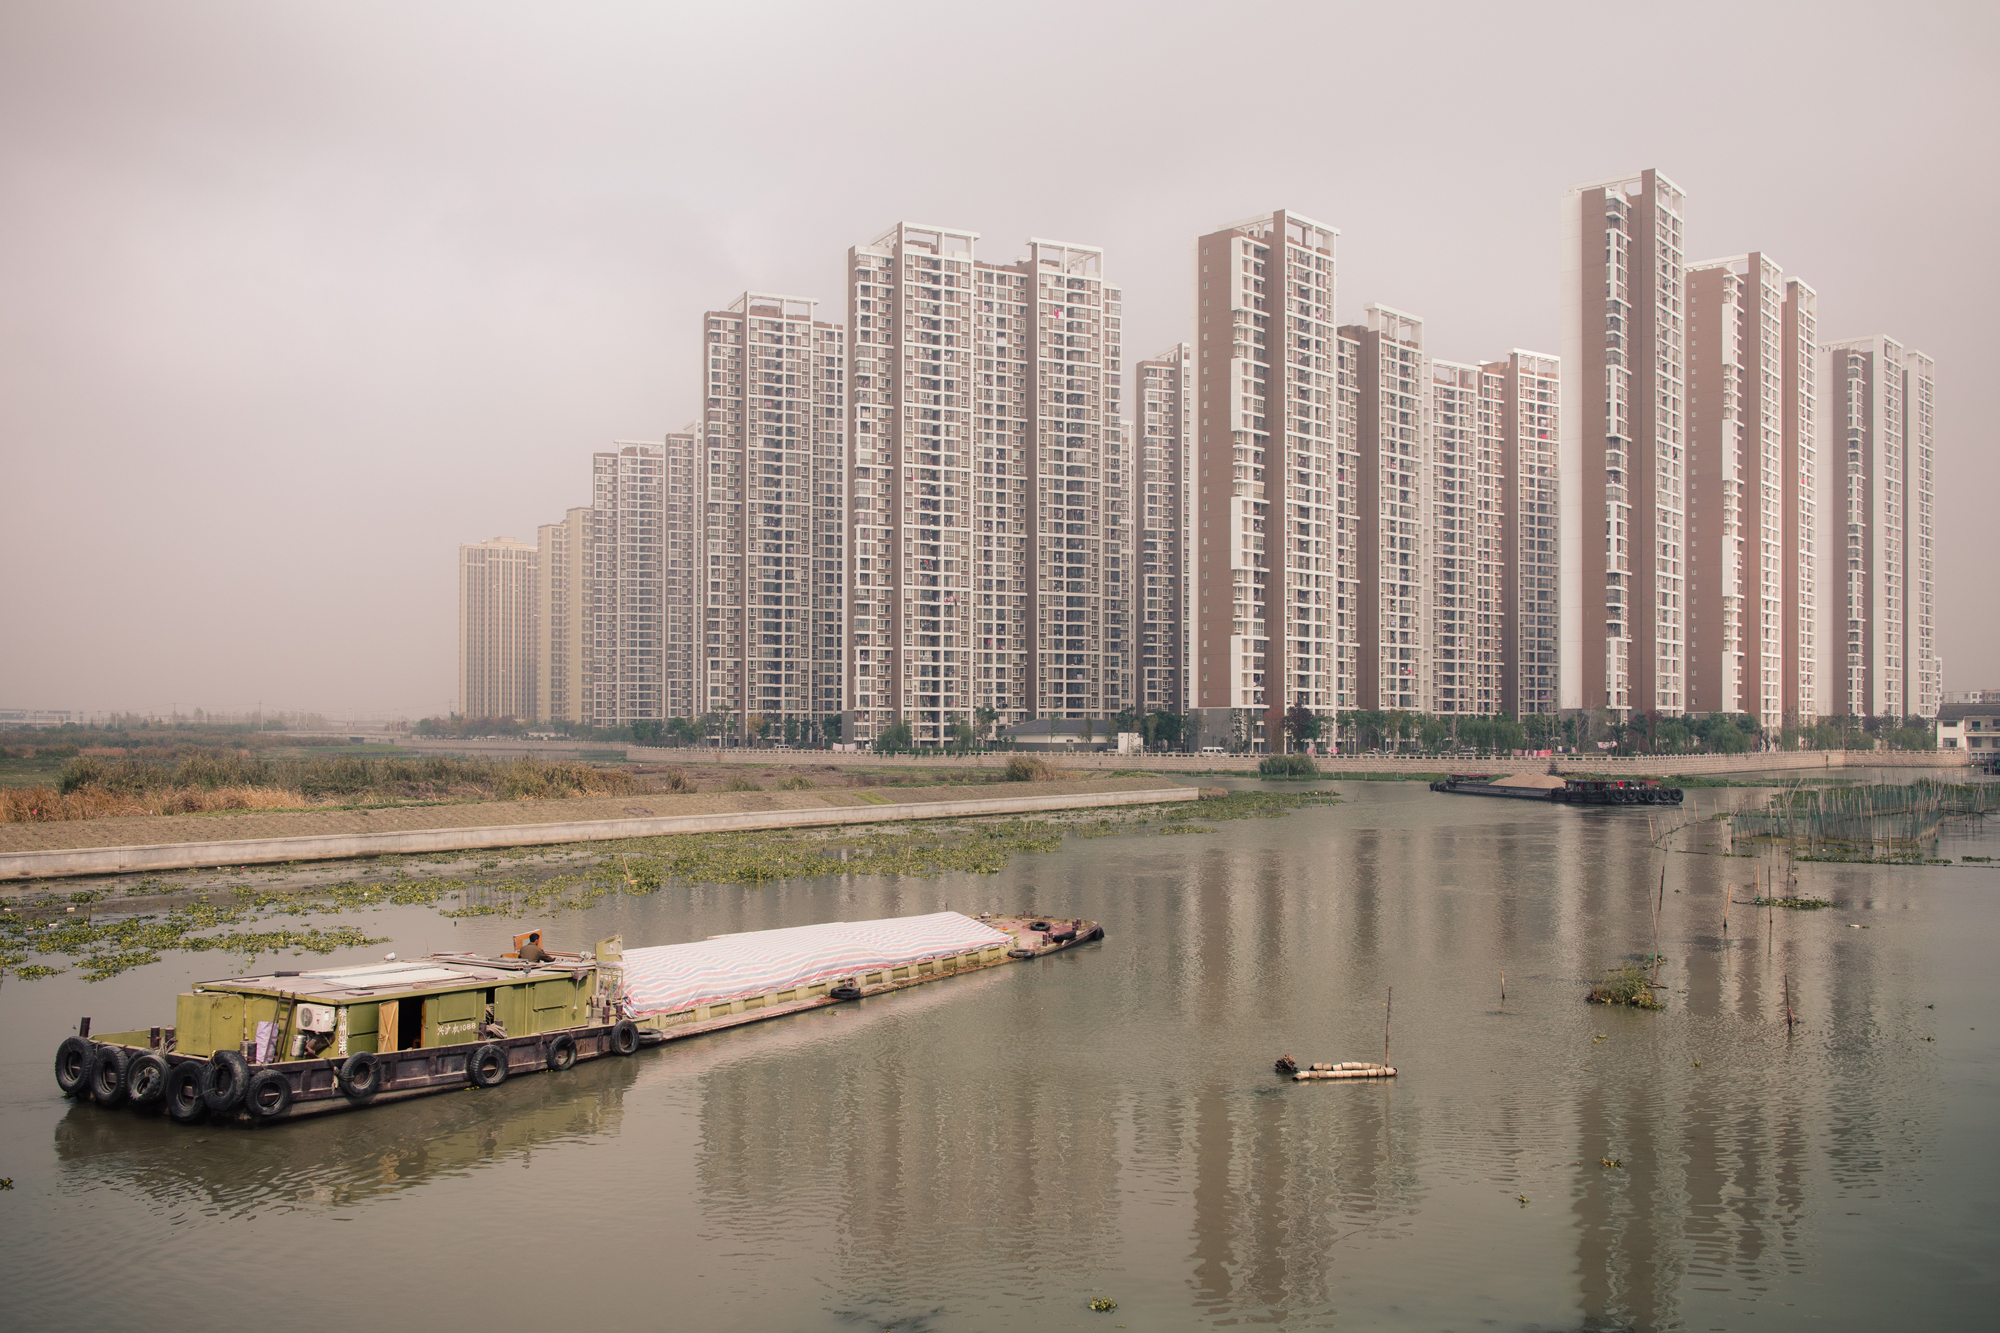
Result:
[[668, 978]]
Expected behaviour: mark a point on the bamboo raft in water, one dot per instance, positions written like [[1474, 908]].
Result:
[[1346, 1069]]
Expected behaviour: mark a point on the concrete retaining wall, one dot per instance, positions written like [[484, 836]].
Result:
[[1090, 762], [331, 847]]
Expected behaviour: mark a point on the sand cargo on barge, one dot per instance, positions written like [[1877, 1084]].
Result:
[[290, 1044], [1562, 791]]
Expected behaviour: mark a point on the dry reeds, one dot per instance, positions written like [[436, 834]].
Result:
[[36, 805], [97, 787], [1027, 768]]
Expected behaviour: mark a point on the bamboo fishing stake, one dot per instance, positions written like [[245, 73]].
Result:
[[1656, 923], [1387, 1011], [1788, 1004], [1503, 986]]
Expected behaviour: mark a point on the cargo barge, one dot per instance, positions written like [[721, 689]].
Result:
[[292, 1044], [1566, 791]]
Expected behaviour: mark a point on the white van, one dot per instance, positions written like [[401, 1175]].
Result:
[[1213, 749]]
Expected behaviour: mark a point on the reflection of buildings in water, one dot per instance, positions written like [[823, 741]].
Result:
[[1273, 1180], [1279, 1180], [346, 1157], [940, 1150]]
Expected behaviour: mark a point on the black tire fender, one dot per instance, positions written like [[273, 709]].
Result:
[[73, 1061], [624, 1037], [146, 1078], [224, 1081], [107, 1075], [359, 1076], [487, 1066], [183, 1090], [562, 1052], [268, 1095]]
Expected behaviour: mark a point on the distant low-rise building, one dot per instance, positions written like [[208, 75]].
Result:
[[1974, 728]]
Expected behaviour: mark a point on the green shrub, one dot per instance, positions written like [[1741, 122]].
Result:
[[1625, 985], [1287, 766]]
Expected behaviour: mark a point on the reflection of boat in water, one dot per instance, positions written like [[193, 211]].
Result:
[[1564, 791], [298, 1043], [337, 1160]]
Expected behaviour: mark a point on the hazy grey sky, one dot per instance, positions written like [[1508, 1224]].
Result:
[[295, 298]]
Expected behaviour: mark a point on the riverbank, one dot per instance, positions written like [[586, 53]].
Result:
[[177, 842], [1407, 767]]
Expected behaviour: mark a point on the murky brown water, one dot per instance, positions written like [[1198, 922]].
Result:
[[993, 1151]]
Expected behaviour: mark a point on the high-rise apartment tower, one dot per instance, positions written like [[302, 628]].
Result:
[[565, 617], [496, 629], [989, 515], [1392, 549], [769, 505], [1163, 459], [1265, 525], [1877, 421], [1624, 446], [1520, 421], [628, 573], [1735, 488], [685, 590]]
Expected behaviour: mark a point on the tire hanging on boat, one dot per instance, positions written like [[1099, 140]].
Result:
[[562, 1053], [359, 1076], [183, 1091], [73, 1061], [146, 1078], [107, 1075], [624, 1037], [487, 1067], [224, 1081], [268, 1096]]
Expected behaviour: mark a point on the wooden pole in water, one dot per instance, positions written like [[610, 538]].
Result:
[[1727, 894], [1788, 1004], [1656, 923], [1503, 985], [1388, 1010]]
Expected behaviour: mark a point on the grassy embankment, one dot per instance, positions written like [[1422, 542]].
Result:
[[95, 787], [247, 920], [52, 783]]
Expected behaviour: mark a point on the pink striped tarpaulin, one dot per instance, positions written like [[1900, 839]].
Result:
[[667, 978]]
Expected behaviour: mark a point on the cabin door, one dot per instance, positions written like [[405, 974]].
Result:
[[385, 1027]]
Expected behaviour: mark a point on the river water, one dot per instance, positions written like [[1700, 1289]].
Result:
[[994, 1151]]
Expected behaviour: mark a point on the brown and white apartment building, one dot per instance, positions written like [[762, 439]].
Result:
[[1163, 461], [1752, 567], [990, 507], [496, 628], [1457, 548], [770, 510], [1272, 603], [1624, 447], [1877, 424]]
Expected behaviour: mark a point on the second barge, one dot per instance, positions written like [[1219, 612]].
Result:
[[1565, 791]]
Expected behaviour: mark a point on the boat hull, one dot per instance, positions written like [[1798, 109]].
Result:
[[421, 1071]]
